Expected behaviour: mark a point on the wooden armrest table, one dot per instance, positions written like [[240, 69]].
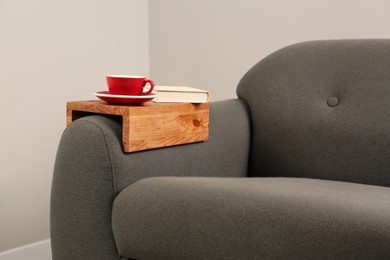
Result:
[[152, 125]]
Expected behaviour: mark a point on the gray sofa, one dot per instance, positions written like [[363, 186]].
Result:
[[298, 167]]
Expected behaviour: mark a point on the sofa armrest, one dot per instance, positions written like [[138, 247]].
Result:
[[91, 169]]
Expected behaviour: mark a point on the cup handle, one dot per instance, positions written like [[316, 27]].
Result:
[[151, 86]]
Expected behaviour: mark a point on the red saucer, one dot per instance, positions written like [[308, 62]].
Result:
[[124, 99]]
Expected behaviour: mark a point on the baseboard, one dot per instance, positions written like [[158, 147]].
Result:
[[36, 251]]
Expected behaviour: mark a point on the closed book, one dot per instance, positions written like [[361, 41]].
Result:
[[173, 94]]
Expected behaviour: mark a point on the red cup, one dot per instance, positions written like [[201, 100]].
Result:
[[128, 85]]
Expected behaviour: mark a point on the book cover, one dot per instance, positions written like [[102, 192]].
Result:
[[180, 94]]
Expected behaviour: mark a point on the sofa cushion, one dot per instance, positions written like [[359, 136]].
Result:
[[321, 110], [251, 218]]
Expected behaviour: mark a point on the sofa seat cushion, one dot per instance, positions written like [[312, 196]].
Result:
[[251, 218]]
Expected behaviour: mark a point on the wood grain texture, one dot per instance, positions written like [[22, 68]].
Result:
[[153, 125]]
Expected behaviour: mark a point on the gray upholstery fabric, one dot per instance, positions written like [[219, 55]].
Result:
[[252, 218], [91, 169], [82, 194], [317, 110], [321, 110]]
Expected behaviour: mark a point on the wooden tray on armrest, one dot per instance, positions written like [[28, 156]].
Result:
[[152, 125]]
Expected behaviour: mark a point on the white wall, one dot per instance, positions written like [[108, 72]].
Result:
[[212, 43], [52, 52]]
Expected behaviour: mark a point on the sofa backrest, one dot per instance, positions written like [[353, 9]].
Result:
[[321, 109]]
